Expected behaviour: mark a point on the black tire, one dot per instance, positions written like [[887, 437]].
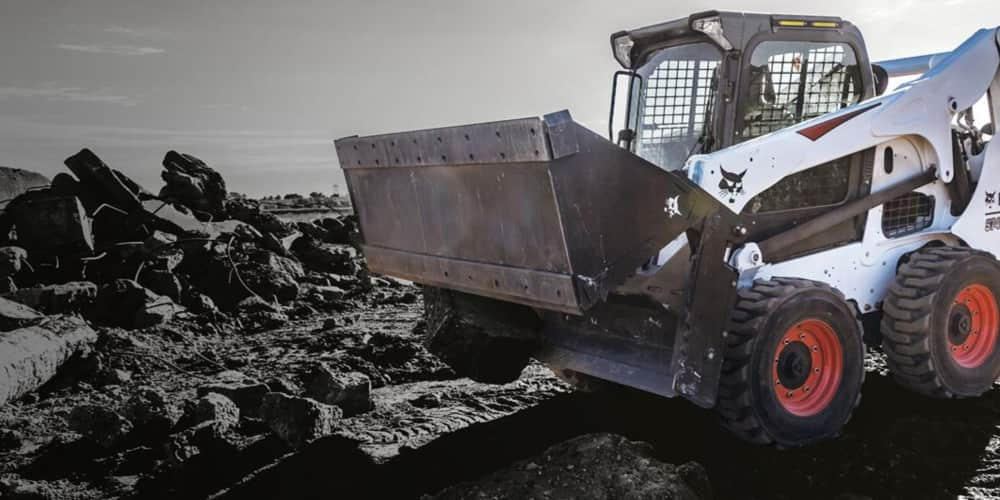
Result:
[[765, 318], [921, 323], [486, 340]]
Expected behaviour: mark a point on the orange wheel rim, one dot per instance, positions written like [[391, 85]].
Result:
[[807, 367], [972, 326]]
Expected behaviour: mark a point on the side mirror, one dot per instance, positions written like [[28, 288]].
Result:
[[988, 129]]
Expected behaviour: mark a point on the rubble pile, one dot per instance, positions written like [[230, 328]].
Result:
[[142, 335], [97, 243]]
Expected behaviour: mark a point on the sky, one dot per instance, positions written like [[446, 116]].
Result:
[[259, 90]]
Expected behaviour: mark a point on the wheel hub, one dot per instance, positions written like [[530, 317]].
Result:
[[973, 324], [808, 365], [794, 365], [959, 324]]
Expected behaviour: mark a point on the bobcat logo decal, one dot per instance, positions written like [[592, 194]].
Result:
[[731, 184], [991, 198], [672, 208]]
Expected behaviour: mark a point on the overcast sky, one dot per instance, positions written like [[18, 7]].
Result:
[[259, 89]]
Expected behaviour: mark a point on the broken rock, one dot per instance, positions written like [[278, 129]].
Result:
[[248, 397], [193, 184], [351, 391], [338, 229], [336, 259], [11, 260], [282, 385], [162, 282], [298, 421], [199, 303], [14, 315], [48, 225], [98, 178], [272, 276], [100, 425], [58, 299], [250, 212], [214, 407], [128, 304], [158, 240], [150, 412], [31, 356]]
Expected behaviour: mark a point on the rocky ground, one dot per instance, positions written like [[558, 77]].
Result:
[[187, 345]]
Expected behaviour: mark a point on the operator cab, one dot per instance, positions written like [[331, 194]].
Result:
[[715, 79]]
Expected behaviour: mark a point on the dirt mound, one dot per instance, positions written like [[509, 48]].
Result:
[[595, 466]]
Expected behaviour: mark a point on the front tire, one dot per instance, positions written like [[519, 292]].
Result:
[[940, 323], [794, 364]]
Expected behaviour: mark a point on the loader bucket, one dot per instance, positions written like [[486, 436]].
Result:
[[541, 212]]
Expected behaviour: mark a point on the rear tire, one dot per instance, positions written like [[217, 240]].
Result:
[[940, 323], [793, 366]]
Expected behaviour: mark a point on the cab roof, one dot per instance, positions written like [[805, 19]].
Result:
[[738, 28]]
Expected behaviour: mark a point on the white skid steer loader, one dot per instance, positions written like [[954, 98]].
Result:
[[765, 199]]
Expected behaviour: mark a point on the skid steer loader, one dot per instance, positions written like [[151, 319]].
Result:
[[765, 198]]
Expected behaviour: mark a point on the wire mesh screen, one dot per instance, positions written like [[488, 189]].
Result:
[[907, 214], [822, 185], [791, 82], [676, 107]]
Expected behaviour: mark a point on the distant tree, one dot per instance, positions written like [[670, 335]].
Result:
[[293, 196], [316, 194]]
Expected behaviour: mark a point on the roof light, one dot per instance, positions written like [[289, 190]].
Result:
[[622, 46], [712, 26], [799, 23]]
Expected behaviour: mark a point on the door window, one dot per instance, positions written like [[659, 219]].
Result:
[[790, 82]]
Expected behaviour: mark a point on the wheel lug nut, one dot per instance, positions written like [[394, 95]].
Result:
[[815, 348], [802, 336], [816, 370], [789, 394]]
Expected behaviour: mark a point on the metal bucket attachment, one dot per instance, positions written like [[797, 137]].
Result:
[[541, 212]]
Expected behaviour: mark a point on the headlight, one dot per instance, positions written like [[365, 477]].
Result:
[[623, 50], [712, 26]]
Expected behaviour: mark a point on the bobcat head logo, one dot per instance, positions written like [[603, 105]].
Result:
[[672, 208], [731, 184], [991, 198]]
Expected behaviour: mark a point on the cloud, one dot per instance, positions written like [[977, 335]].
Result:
[[121, 30], [882, 12], [64, 94], [146, 33], [103, 48]]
